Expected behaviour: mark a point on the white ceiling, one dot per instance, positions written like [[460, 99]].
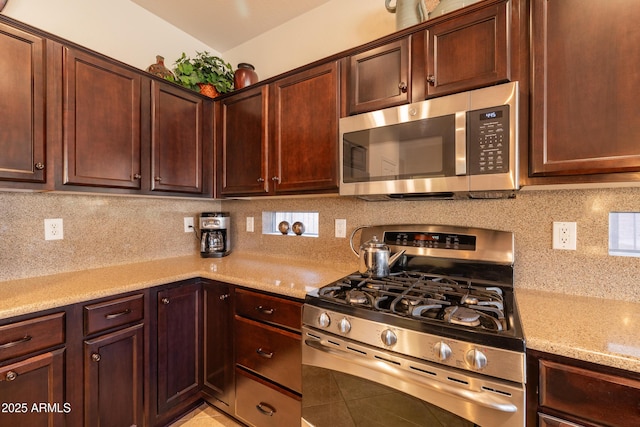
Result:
[[225, 24]]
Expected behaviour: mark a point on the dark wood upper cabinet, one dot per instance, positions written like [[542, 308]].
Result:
[[584, 117], [379, 78], [305, 131], [242, 137], [22, 106], [179, 133], [468, 52], [101, 128]]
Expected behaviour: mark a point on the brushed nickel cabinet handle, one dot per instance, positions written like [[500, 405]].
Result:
[[431, 80], [39, 166], [265, 310], [137, 176], [403, 87], [11, 375], [269, 411], [95, 357], [165, 301], [10, 344], [224, 297], [266, 355], [275, 178], [115, 315], [260, 179], [157, 178]]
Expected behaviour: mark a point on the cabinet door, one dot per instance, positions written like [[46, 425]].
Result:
[[34, 381], [22, 106], [379, 78], [218, 344], [585, 85], [113, 390], [305, 131], [243, 137], [468, 52], [179, 360], [177, 139], [101, 125]]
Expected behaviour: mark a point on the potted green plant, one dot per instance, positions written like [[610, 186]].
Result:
[[203, 73]]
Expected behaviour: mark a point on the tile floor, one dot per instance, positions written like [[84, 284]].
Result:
[[205, 416]]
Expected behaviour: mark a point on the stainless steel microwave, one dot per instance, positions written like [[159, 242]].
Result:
[[460, 145]]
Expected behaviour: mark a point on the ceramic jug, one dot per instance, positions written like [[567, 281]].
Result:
[[408, 12]]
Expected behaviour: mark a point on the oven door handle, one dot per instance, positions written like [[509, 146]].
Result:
[[479, 398]]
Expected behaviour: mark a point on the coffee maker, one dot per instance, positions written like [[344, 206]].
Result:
[[215, 241]]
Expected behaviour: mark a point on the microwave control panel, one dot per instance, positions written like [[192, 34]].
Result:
[[488, 141]]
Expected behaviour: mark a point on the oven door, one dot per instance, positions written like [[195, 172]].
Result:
[[349, 384]]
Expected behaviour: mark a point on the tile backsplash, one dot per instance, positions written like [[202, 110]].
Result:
[[109, 230]]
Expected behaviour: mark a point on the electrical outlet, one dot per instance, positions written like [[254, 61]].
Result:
[[53, 229], [341, 228], [188, 224], [250, 224], [564, 235]]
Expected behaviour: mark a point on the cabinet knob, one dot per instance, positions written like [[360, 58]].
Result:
[[165, 301], [266, 409], [137, 176], [260, 179], [11, 375], [95, 357], [431, 80], [224, 297], [157, 178], [275, 179], [39, 166], [403, 87]]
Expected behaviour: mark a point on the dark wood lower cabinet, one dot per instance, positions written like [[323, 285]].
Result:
[[178, 350], [563, 392], [113, 391], [218, 361], [262, 404], [32, 391]]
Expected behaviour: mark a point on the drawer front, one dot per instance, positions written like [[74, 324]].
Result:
[[271, 352], [592, 396], [110, 314], [270, 309], [261, 404], [30, 336]]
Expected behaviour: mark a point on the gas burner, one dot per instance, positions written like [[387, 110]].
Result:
[[424, 297]]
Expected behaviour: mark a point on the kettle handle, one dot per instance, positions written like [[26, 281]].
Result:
[[387, 4], [353, 233]]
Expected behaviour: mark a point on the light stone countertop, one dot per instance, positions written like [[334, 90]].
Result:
[[602, 331], [597, 330]]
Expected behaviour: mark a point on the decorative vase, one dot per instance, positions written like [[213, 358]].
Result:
[[158, 69], [208, 90], [244, 76]]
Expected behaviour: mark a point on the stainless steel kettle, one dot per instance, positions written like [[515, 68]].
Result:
[[375, 257]]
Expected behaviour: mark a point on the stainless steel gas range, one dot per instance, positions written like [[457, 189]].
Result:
[[436, 342]]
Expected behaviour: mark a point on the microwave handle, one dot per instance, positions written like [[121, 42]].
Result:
[[461, 143]]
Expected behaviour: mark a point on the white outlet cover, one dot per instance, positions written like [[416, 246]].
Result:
[[250, 228], [53, 229], [564, 235]]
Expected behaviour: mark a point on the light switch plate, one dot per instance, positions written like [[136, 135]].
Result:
[[341, 228], [250, 224], [188, 224]]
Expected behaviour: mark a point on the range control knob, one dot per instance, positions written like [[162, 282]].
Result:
[[389, 337], [476, 359], [344, 325], [442, 351], [324, 320]]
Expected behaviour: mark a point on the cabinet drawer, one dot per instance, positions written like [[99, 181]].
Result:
[[110, 314], [269, 309], [30, 336], [589, 395], [271, 352], [264, 405]]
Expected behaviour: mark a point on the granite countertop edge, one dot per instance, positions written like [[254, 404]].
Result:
[[543, 314]]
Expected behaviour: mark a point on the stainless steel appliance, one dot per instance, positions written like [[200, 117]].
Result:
[[461, 145], [436, 342], [215, 239]]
